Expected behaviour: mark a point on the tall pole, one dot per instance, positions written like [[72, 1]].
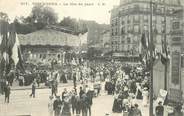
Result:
[[165, 42], [151, 62]]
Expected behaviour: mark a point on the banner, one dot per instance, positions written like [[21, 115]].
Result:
[[161, 96]]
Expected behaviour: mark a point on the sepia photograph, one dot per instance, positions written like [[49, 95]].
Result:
[[91, 57]]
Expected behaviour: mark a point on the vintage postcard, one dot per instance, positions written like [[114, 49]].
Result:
[[91, 57]]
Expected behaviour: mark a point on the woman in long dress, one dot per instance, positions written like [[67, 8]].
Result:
[[145, 97], [115, 103], [50, 105], [139, 92]]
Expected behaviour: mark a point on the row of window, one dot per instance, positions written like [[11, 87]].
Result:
[[43, 56], [137, 29], [114, 22], [117, 42], [176, 25], [146, 7], [137, 19], [114, 32], [127, 48]]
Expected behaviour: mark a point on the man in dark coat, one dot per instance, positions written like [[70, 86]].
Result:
[[54, 87], [89, 100], [64, 77], [33, 89], [84, 104], [137, 111], [38, 79], [10, 77], [159, 109], [7, 93], [74, 81], [57, 106], [79, 105], [74, 102], [81, 92], [64, 93]]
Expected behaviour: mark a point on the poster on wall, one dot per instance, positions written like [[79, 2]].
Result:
[[175, 69], [161, 96]]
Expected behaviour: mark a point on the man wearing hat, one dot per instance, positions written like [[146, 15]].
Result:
[[64, 93], [159, 109], [57, 106], [89, 99], [137, 111], [66, 108]]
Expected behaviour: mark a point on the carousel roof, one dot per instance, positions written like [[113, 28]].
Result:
[[49, 37]]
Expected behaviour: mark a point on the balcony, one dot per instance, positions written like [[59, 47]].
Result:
[[136, 21]]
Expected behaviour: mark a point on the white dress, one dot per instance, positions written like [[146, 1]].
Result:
[[50, 107], [145, 97]]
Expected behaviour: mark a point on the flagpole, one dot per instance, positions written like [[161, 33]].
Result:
[[151, 62], [165, 42]]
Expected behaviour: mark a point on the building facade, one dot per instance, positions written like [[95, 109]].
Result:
[[105, 41], [131, 19]]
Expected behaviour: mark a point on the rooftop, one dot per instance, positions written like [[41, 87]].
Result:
[[49, 37]]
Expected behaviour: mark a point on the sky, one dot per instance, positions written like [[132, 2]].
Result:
[[97, 10]]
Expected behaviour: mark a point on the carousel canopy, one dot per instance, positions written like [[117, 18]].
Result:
[[49, 37]]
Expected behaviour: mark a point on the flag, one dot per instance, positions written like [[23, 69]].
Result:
[[143, 40], [163, 59], [1, 38], [164, 54], [12, 45], [4, 56], [4, 40], [148, 48], [15, 50], [20, 65], [145, 46], [164, 49], [9, 46]]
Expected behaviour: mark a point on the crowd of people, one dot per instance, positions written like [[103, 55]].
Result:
[[71, 103], [126, 82], [127, 88], [125, 85]]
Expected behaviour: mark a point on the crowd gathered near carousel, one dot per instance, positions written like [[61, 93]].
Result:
[[126, 82]]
